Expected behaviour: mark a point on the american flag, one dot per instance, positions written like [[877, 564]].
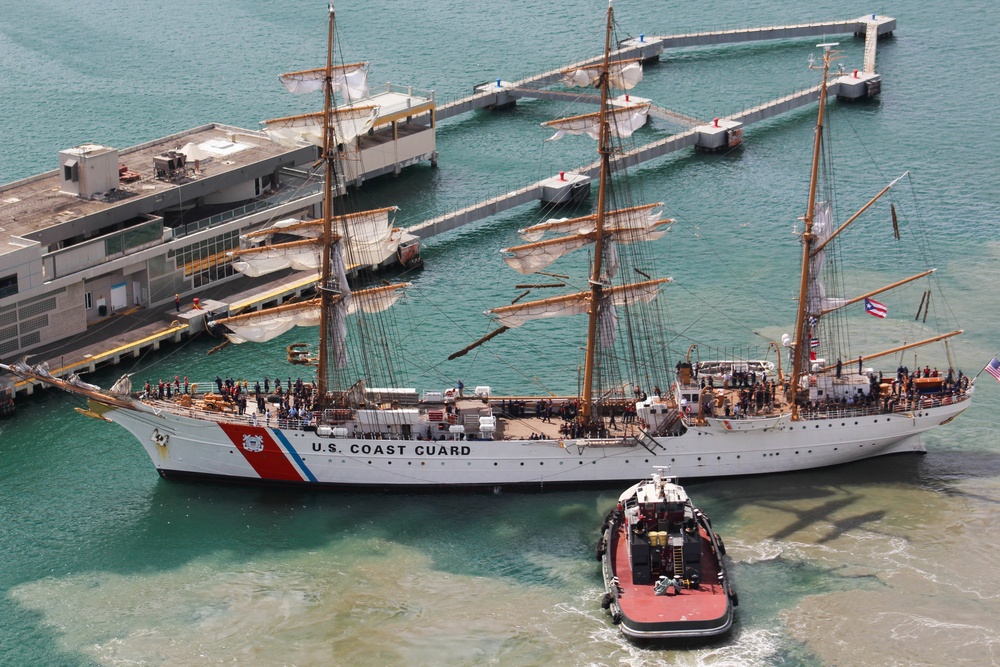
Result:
[[873, 307], [993, 368]]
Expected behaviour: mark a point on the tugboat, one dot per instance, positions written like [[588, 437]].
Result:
[[664, 577]]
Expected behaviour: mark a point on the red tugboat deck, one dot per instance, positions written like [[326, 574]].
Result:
[[663, 566]]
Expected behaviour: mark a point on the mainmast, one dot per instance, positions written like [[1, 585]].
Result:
[[596, 287], [326, 291], [802, 345]]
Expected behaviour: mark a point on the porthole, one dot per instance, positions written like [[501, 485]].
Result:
[[494, 463]]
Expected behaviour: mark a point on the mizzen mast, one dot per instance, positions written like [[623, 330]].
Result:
[[801, 334]]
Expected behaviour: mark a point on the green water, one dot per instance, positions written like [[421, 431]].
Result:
[[885, 562]]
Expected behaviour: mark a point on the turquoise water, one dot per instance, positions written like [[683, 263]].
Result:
[[885, 562]]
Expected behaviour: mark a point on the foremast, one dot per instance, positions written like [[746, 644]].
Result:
[[596, 284], [327, 291]]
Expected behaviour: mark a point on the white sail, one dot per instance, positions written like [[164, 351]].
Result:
[[265, 325], [537, 256], [308, 229], [349, 81], [575, 304], [349, 123], [817, 300], [371, 237], [534, 257], [378, 219], [377, 299], [636, 216], [623, 75], [623, 122], [298, 255]]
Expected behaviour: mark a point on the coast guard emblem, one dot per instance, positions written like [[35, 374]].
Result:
[[253, 443], [160, 439]]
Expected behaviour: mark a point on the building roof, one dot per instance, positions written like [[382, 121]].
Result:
[[36, 203]]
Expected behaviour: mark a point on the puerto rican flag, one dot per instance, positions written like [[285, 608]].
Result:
[[873, 307]]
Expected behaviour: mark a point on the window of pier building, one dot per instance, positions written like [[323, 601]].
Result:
[[8, 285]]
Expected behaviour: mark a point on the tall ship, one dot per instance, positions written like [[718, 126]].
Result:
[[357, 424]]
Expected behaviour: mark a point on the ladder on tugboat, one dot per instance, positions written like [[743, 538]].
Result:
[[678, 554]]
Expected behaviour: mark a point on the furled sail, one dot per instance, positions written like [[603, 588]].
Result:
[[575, 304], [349, 123], [534, 257], [349, 81], [379, 218], [302, 255], [309, 229], [265, 325], [371, 238], [262, 326], [817, 301], [635, 216], [624, 75], [622, 121]]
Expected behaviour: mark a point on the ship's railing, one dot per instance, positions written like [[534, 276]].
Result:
[[905, 406], [836, 411]]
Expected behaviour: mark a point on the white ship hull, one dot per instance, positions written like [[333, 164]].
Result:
[[184, 447]]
